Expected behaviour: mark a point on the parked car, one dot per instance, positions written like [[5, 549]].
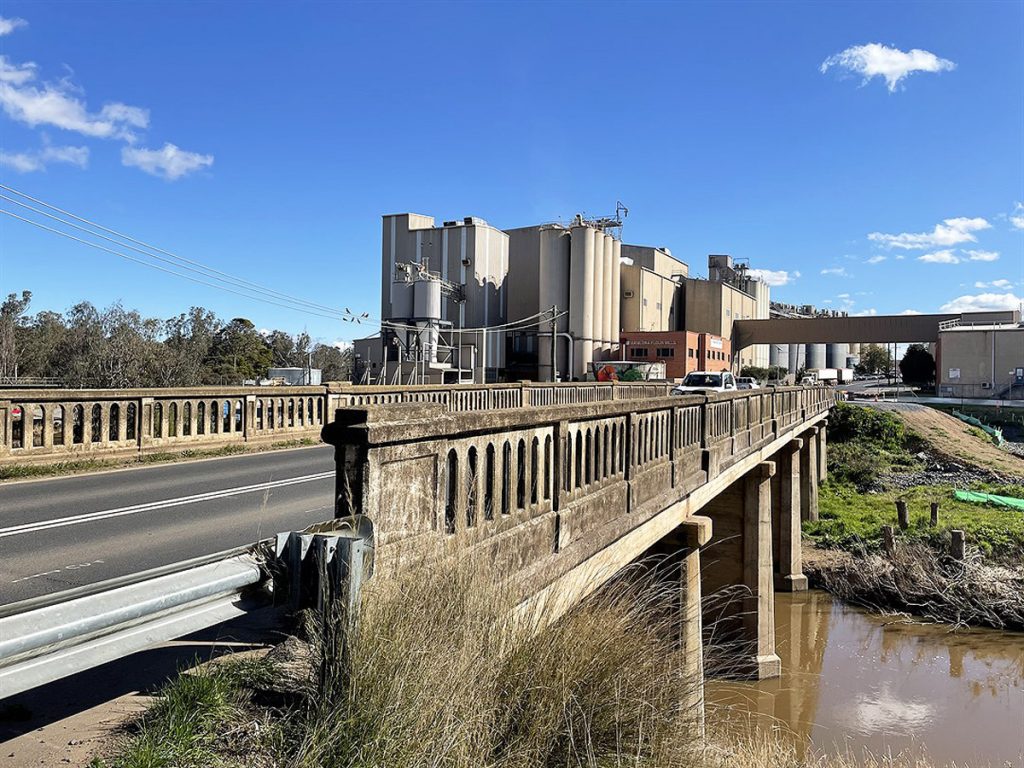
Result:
[[747, 382], [706, 381]]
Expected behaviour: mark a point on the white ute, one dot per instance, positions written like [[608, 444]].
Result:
[[706, 381]]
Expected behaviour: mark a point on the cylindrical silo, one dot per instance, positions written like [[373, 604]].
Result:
[[835, 355], [609, 297], [597, 329], [815, 356], [778, 355], [855, 349], [616, 295], [794, 358], [581, 298]]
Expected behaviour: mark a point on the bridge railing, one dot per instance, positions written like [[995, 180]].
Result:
[[50, 424], [523, 484]]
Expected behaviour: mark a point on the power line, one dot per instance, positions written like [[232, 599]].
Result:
[[157, 266], [194, 266]]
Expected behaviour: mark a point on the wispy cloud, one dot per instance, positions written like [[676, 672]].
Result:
[[170, 162], [1017, 217], [983, 302], [27, 162], [9, 25], [892, 64], [999, 284], [836, 271], [949, 232], [866, 312], [774, 277], [875, 260], [911, 312], [940, 257], [983, 255]]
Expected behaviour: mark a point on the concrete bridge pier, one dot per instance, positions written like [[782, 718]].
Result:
[[738, 575], [786, 547], [809, 475]]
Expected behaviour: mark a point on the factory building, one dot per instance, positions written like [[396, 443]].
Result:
[[985, 361], [439, 286], [576, 269], [681, 351], [442, 286]]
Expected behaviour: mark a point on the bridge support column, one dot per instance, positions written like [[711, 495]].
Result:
[[809, 476], [822, 450], [695, 533], [759, 603], [788, 554]]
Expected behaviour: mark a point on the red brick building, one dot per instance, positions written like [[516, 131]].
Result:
[[681, 351]]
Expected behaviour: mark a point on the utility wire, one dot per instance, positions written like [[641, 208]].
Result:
[[193, 265], [157, 266]]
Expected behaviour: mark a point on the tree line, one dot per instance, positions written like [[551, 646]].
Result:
[[117, 347]]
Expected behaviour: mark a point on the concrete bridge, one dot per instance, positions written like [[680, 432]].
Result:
[[560, 498]]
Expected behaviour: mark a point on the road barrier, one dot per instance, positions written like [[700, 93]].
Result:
[[43, 640]]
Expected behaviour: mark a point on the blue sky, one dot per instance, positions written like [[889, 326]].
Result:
[[266, 140]]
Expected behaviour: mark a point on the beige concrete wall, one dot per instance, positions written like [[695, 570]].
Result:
[[972, 353], [713, 307]]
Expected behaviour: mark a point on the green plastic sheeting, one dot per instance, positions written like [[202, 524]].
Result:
[[983, 498], [994, 432]]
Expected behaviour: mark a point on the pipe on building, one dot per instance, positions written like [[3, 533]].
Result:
[[609, 297]]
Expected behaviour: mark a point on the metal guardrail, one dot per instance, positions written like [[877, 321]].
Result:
[[45, 644], [45, 639]]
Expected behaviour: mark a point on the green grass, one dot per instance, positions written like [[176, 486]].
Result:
[[185, 728], [15, 471], [849, 519]]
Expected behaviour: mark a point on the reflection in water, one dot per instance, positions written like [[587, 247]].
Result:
[[853, 681]]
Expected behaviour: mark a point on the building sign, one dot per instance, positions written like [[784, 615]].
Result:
[[716, 343], [954, 373]]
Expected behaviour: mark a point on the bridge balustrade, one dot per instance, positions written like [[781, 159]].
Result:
[[525, 484]]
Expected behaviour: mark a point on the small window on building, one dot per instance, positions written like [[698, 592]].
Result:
[[689, 353], [638, 352], [666, 352], [645, 302], [728, 313]]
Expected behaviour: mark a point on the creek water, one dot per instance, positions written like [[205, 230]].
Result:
[[854, 681]]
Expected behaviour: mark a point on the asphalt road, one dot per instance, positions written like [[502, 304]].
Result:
[[66, 532]]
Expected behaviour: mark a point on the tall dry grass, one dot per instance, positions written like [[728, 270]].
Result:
[[439, 674]]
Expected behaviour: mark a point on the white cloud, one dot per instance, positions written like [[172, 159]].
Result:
[[983, 255], [26, 162], [899, 257], [1017, 217], [949, 232], [999, 284], [16, 73], [983, 302], [875, 260], [866, 313], [54, 104], [877, 60], [837, 271], [774, 278], [911, 312], [9, 25], [939, 257], [843, 296], [170, 162]]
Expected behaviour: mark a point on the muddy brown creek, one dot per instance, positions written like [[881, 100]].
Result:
[[853, 681]]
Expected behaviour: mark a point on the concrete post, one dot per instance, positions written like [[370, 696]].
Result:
[[809, 476], [789, 575], [696, 532], [759, 602], [822, 450]]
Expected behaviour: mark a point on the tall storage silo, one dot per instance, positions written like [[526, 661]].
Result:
[[815, 356], [835, 355], [616, 294], [581, 297], [597, 328]]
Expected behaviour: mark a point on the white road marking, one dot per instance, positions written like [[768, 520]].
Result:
[[106, 514], [58, 570]]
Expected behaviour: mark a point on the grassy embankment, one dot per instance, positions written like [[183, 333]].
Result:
[[868, 450], [440, 675], [16, 471]]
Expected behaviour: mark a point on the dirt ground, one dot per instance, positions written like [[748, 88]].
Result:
[[953, 438]]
